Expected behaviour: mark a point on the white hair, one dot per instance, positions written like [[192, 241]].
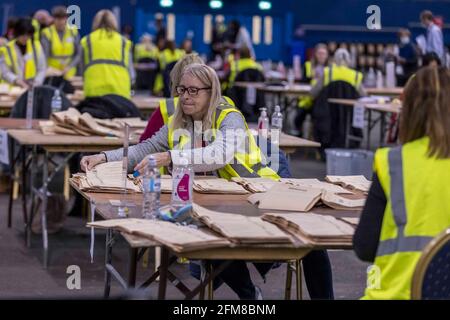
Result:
[[342, 57]]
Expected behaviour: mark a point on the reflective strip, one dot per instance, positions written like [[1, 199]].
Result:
[[92, 62], [243, 172], [397, 189], [402, 244], [33, 45], [223, 100], [60, 56], [170, 107], [356, 78], [13, 63], [398, 206], [89, 48]]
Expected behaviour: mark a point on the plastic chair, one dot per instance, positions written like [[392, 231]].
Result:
[[431, 278]]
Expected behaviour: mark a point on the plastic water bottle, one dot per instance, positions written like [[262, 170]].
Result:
[[371, 79], [263, 121], [152, 190], [182, 179], [56, 101], [277, 118], [291, 77], [277, 124]]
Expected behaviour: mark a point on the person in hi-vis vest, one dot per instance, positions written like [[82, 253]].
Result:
[[22, 61], [200, 101], [107, 59], [61, 45], [221, 144], [312, 72], [161, 115], [339, 70], [244, 62], [408, 203]]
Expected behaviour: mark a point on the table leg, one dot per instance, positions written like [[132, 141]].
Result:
[[163, 268], [108, 259], [369, 127], [347, 128], [11, 185], [32, 178], [44, 209], [24, 189], [287, 291], [298, 277], [132, 268]]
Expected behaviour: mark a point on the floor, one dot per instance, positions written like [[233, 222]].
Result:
[[23, 276]]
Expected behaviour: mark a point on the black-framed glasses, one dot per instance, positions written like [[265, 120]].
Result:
[[192, 91]]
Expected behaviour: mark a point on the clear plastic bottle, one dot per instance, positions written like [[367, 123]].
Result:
[[263, 121], [277, 118], [152, 190], [291, 77], [182, 179], [277, 124], [371, 79], [56, 101]]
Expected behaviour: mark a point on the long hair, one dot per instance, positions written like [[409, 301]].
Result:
[[316, 48], [105, 19], [178, 68], [208, 78], [426, 110]]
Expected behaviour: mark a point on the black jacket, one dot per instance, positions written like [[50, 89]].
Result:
[[108, 107], [239, 95], [330, 119], [42, 103]]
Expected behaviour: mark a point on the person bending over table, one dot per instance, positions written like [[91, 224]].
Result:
[[408, 202], [200, 104], [22, 60]]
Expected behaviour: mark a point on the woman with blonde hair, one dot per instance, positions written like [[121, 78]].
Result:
[[200, 105], [167, 106], [107, 59], [408, 203]]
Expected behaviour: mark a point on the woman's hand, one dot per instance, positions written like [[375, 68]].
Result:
[[22, 83], [163, 159], [89, 162]]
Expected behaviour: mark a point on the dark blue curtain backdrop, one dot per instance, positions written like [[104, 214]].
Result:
[[296, 21]]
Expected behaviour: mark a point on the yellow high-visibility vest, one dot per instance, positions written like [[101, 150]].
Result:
[[140, 52], [61, 50], [32, 54], [342, 73], [37, 30], [106, 58], [244, 164], [168, 56], [167, 106], [241, 65], [417, 210]]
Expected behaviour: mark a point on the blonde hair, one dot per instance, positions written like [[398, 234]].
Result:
[[208, 78], [105, 19], [426, 110], [178, 68]]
